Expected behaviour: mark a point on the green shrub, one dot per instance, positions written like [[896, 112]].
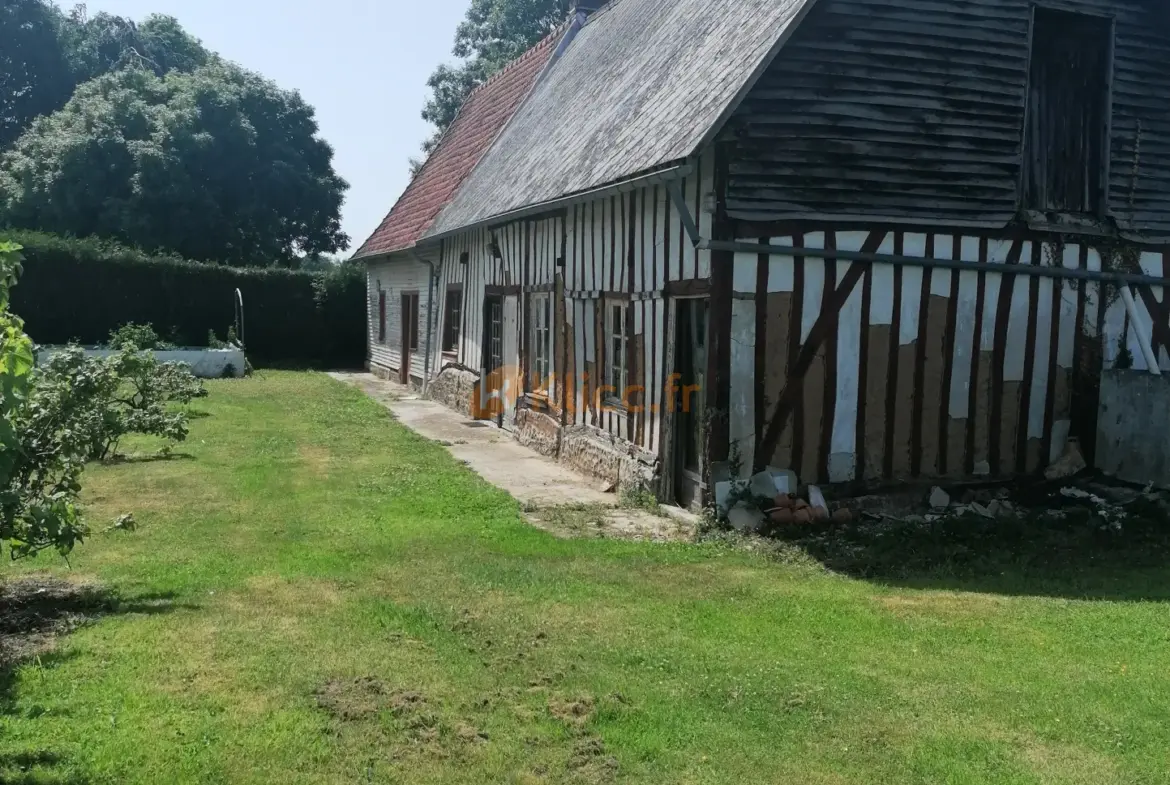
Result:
[[40, 468], [137, 336], [231, 342], [101, 399], [83, 290]]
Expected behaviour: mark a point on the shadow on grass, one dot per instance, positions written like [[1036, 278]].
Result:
[[38, 776], [1073, 553], [35, 612]]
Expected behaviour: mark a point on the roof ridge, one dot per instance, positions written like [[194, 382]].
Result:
[[528, 54]]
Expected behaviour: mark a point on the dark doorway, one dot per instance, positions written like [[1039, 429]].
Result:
[[409, 334], [690, 432], [1066, 141], [493, 356]]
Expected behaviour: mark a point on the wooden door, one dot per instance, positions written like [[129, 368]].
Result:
[[690, 432], [493, 358], [409, 334]]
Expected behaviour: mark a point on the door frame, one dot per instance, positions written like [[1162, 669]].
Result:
[[671, 456], [489, 374], [409, 302]]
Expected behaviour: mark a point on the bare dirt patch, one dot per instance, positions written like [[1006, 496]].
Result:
[[365, 697], [34, 611], [469, 734], [591, 521], [575, 712], [590, 763], [353, 699]]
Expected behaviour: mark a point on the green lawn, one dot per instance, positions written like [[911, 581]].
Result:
[[316, 595]]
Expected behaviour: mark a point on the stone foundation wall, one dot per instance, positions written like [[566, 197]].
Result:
[[538, 431], [598, 454], [454, 388], [583, 448]]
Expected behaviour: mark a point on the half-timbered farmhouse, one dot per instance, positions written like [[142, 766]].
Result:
[[866, 240]]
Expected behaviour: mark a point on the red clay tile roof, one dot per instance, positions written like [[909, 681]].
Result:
[[476, 126]]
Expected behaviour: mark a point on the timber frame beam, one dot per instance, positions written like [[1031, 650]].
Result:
[[1074, 273], [736, 246]]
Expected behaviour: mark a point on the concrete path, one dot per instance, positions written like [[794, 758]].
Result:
[[553, 496]]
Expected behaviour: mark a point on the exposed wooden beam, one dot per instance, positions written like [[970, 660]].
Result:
[[821, 329]]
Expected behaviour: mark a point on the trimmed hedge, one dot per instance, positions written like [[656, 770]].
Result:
[[80, 290]]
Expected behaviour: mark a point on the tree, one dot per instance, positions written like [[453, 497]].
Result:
[[35, 76], [47, 53], [103, 43], [493, 34], [218, 164]]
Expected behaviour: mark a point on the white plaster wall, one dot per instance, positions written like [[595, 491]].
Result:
[[396, 275]]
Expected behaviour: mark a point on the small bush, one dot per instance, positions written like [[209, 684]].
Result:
[[137, 336], [231, 342], [100, 400]]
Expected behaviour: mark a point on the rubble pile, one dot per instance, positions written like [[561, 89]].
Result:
[[772, 502]]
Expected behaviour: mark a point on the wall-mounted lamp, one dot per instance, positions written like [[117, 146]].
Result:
[[561, 262], [464, 257], [494, 248]]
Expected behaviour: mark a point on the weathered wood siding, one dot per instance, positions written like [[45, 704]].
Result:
[[528, 251], [914, 111], [926, 372], [395, 276], [630, 246]]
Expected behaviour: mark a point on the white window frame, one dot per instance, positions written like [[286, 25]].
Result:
[[617, 345], [542, 341]]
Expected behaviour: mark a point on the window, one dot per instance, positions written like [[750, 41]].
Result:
[[381, 317], [616, 343], [1066, 144], [410, 320], [452, 320], [541, 361]]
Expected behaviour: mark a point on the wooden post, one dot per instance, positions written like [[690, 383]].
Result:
[[719, 342]]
